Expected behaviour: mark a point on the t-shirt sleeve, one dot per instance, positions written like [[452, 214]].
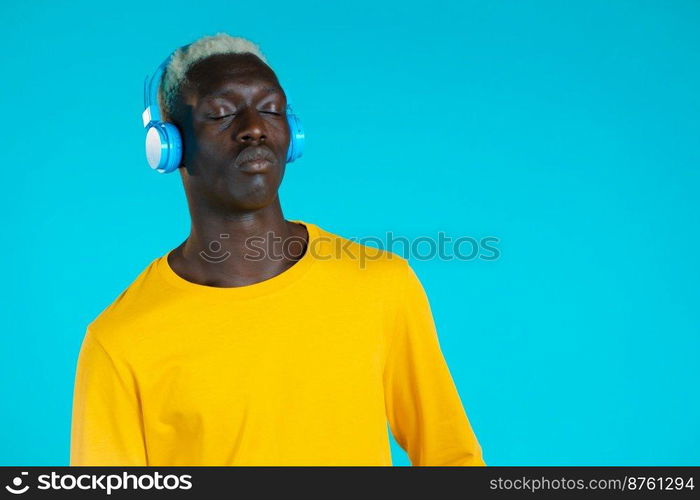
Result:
[[423, 406], [106, 426]]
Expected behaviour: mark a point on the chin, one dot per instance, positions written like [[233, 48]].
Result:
[[252, 196]]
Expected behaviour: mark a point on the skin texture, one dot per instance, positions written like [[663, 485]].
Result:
[[223, 198]]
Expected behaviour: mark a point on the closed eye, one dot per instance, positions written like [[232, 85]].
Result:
[[234, 114]]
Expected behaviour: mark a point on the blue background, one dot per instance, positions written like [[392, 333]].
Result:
[[570, 132]]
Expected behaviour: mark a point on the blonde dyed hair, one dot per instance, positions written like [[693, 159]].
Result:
[[175, 74]]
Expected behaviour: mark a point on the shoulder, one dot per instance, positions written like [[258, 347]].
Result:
[[113, 328], [363, 258]]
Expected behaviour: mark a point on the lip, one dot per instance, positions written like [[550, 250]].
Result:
[[259, 166]]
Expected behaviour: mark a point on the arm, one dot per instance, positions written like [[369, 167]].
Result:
[[106, 427], [423, 407]]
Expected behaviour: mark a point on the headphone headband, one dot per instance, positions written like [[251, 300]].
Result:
[[150, 91]]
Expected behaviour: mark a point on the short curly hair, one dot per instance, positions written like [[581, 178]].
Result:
[[175, 73]]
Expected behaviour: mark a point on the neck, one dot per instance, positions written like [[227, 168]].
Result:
[[229, 249]]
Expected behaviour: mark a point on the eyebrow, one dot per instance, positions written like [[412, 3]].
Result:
[[225, 90]]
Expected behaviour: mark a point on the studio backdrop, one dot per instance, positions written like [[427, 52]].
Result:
[[566, 132]]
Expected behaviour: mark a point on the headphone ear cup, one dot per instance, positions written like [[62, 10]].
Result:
[[174, 148], [163, 147], [296, 138]]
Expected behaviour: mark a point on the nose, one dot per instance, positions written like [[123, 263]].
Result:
[[251, 130]]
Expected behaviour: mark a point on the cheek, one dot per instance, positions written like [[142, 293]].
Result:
[[206, 152], [281, 138]]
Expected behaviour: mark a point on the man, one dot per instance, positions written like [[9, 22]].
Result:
[[271, 346]]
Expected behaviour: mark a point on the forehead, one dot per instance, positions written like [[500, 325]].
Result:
[[222, 74]]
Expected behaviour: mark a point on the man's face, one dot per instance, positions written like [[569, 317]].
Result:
[[233, 110]]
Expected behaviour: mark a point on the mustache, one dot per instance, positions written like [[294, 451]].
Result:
[[255, 153]]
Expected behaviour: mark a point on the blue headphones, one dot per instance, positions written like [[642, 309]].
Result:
[[163, 141]]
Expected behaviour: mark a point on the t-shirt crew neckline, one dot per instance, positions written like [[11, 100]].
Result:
[[264, 287]]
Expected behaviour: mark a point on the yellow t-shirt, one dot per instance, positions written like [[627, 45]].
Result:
[[304, 368]]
